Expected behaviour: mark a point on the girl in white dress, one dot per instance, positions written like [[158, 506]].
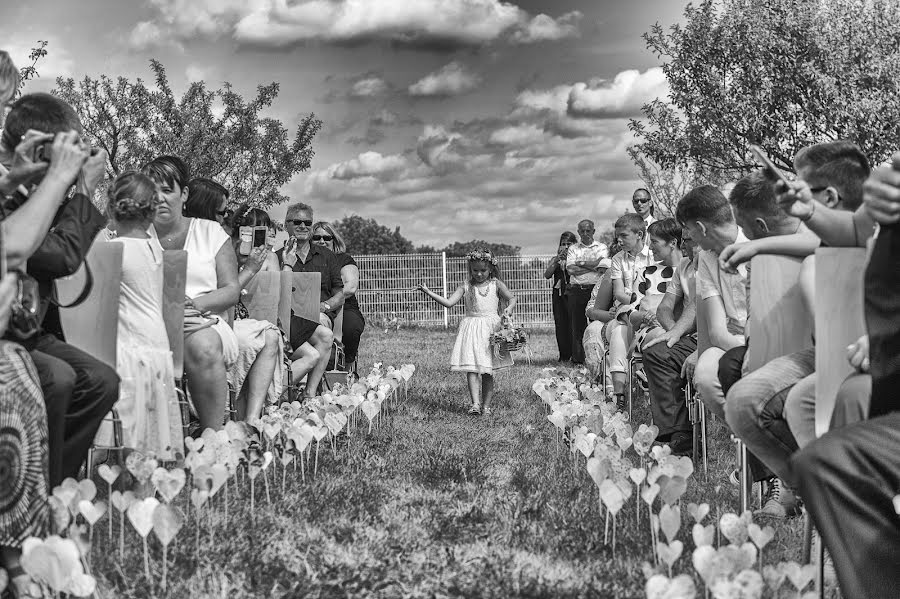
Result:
[[472, 351], [147, 406]]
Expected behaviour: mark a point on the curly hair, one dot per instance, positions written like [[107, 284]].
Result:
[[132, 198]]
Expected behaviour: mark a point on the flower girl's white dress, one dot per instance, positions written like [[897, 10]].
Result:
[[472, 351]]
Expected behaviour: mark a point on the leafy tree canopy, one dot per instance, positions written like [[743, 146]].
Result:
[[779, 73], [460, 249], [364, 236], [250, 154]]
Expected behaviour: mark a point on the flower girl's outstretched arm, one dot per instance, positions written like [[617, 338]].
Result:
[[505, 294], [447, 302]]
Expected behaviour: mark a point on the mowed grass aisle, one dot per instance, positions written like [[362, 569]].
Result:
[[432, 503]]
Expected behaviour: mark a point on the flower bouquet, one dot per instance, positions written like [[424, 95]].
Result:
[[509, 338]]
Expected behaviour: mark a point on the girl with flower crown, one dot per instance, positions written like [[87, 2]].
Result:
[[472, 353]]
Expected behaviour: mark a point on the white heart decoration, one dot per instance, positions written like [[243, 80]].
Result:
[[140, 514]]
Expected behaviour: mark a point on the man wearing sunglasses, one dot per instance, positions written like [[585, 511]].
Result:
[[299, 255]]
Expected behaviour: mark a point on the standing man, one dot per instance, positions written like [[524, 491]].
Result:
[[585, 262], [299, 255], [643, 205]]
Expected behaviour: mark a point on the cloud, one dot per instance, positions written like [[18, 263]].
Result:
[[368, 87], [367, 164], [622, 97], [544, 28], [452, 79], [371, 137], [435, 24]]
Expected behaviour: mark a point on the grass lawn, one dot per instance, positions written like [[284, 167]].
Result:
[[432, 503]]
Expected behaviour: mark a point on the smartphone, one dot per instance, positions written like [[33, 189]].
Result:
[[760, 155], [259, 236], [246, 234]]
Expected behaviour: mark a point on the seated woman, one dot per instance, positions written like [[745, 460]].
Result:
[[354, 323], [210, 346], [147, 406], [599, 313], [257, 371]]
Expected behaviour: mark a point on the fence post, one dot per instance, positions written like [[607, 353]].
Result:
[[444, 282]]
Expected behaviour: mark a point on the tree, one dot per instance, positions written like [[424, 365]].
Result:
[[30, 71], [460, 249], [782, 74], [364, 236], [248, 153], [668, 185]]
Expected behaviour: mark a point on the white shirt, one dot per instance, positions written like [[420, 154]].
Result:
[[712, 281], [580, 252], [683, 285], [627, 266]]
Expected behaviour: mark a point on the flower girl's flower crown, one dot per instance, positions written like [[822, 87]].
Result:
[[481, 256]]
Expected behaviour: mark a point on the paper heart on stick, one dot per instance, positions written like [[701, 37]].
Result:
[[735, 528], [747, 583], [662, 587], [698, 512], [80, 534], [649, 493], [598, 470], [59, 513], [202, 478], [670, 553], [220, 476], [320, 432], [558, 420], [67, 492], [644, 437], [199, 497], [702, 559], [54, 561], [271, 429], [168, 483], [800, 576], [192, 444], [774, 576], [141, 466], [703, 535], [109, 473], [585, 443], [140, 514], [670, 521], [760, 536], [671, 488], [623, 442], [167, 521], [637, 475], [611, 496], [92, 511], [660, 451], [121, 501]]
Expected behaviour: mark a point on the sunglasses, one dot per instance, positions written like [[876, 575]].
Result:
[[640, 200], [322, 237], [299, 221]]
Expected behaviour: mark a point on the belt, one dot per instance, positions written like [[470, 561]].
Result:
[[583, 287]]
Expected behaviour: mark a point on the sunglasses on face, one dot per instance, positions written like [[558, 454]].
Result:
[[322, 237], [640, 200], [300, 221]]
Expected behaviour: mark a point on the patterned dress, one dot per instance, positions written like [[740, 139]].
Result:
[[23, 449]]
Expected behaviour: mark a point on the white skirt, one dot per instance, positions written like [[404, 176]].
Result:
[[472, 351]]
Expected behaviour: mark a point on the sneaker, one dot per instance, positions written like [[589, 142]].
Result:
[[682, 444], [475, 410], [779, 501]]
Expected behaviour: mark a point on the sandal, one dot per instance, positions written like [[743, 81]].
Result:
[[487, 411], [475, 410]]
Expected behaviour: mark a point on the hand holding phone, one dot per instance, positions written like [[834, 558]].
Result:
[[760, 155]]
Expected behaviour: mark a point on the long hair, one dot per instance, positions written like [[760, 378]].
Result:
[[340, 247], [204, 198]]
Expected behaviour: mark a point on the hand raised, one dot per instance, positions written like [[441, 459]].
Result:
[[734, 255], [256, 259], [92, 172], [23, 170], [67, 157], [796, 199], [881, 193]]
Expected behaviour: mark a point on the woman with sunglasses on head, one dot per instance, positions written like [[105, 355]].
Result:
[[256, 371], [326, 235]]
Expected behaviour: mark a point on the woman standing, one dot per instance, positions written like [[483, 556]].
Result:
[[354, 323], [562, 320]]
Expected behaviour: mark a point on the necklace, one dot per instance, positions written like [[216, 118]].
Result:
[[484, 293]]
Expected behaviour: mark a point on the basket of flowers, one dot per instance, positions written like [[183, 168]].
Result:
[[508, 338]]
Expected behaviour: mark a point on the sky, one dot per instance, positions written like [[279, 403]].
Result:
[[452, 119]]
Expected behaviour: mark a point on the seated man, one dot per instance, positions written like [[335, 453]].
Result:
[[626, 266], [311, 341], [758, 404], [665, 357], [79, 390], [849, 477]]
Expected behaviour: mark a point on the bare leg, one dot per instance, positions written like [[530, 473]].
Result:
[[205, 367], [259, 377], [487, 390], [321, 341], [474, 380]]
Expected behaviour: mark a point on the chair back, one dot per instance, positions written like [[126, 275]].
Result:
[[93, 325], [840, 321], [263, 296], [300, 293], [779, 322], [174, 281]]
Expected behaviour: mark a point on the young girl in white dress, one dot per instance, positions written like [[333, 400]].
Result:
[[147, 406], [472, 352]]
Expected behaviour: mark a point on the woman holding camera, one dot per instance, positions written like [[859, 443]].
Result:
[[257, 370], [562, 320]]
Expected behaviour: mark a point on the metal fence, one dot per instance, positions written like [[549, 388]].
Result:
[[387, 287]]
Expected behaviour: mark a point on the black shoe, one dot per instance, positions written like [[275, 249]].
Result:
[[621, 404], [682, 444]]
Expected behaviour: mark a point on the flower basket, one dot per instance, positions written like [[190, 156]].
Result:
[[509, 338]]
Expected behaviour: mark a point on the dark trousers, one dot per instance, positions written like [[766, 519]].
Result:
[[578, 298], [730, 366], [662, 365], [354, 324], [882, 310], [562, 320], [79, 391], [848, 480]]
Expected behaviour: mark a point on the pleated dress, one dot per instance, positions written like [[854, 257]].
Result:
[[472, 351]]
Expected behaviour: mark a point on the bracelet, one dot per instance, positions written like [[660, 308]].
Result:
[[810, 215]]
